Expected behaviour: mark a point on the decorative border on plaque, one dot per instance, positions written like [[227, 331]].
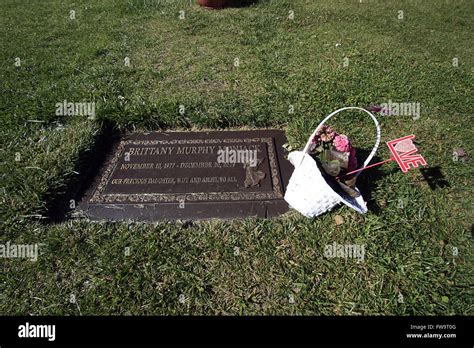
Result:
[[100, 197]]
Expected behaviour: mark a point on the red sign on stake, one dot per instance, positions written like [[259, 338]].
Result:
[[404, 152]]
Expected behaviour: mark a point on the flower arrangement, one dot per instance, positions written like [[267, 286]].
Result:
[[335, 154]]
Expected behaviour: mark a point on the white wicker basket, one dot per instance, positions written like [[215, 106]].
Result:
[[308, 192]]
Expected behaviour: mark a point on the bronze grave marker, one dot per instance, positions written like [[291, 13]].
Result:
[[191, 175]]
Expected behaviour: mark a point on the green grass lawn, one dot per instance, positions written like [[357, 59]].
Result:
[[252, 266]]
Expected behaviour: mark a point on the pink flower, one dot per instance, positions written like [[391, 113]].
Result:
[[326, 133], [352, 165], [342, 143]]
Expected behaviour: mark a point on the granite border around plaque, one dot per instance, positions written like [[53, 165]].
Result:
[[102, 201]]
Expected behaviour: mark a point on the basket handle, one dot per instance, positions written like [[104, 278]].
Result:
[[377, 126]]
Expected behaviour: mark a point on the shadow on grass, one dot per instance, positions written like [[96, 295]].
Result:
[[58, 204], [367, 181], [434, 177]]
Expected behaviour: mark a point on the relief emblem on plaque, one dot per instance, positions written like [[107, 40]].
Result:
[[253, 176]]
